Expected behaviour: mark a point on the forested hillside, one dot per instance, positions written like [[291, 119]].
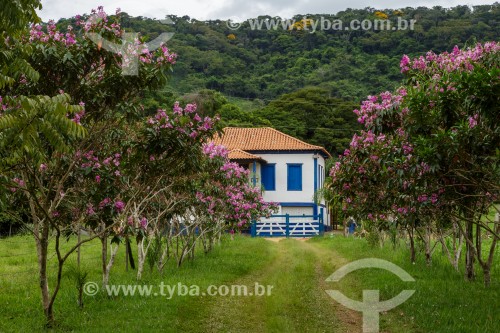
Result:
[[304, 83]]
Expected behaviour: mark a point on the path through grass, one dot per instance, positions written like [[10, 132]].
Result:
[[298, 302], [296, 269]]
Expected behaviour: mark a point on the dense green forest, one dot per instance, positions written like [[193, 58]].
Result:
[[302, 83]]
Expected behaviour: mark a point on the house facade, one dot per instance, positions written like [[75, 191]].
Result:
[[289, 170]]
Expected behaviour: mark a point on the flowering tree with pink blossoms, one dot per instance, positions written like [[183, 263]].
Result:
[[41, 136], [189, 191], [228, 197], [99, 165], [165, 155], [429, 156]]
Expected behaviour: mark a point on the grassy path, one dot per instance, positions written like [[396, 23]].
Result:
[[298, 302], [296, 269]]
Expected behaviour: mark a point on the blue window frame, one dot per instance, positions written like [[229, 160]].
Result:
[[294, 177], [268, 176]]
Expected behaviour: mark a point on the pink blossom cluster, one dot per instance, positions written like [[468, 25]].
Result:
[[404, 210], [380, 156], [79, 115], [364, 140], [136, 223], [473, 120], [52, 35], [233, 169], [243, 211], [335, 169], [104, 203], [457, 60], [90, 210], [195, 127], [117, 205], [109, 165], [433, 198], [241, 204], [212, 202], [212, 150], [163, 56], [372, 108], [97, 20], [19, 182]]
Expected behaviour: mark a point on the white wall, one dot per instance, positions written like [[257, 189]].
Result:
[[296, 211], [281, 194]]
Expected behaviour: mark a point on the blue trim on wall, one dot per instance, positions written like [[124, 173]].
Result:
[[315, 207], [296, 204], [315, 175], [254, 173], [312, 152]]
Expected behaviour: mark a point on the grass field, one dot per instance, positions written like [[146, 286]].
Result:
[[443, 301]]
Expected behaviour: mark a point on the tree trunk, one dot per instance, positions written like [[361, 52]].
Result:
[[104, 258], [140, 259], [79, 248], [41, 230], [126, 255], [487, 276], [486, 265], [479, 250], [469, 251], [107, 270], [412, 245], [60, 262], [141, 256], [428, 248], [457, 247]]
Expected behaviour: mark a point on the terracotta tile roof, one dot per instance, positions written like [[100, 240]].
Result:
[[264, 138], [238, 154]]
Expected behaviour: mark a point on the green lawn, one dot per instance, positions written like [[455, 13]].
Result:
[[297, 270]]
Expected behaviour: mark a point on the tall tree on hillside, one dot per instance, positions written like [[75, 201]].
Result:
[[310, 114]]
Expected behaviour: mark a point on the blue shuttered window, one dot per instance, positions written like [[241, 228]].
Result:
[[268, 176], [294, 177]]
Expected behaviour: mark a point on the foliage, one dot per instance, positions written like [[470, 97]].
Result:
[[263, 66], [349, 64], [430, 151], [312, 115], [102, 165]]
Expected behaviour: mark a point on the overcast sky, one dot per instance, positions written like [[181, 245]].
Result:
[[230, 9]]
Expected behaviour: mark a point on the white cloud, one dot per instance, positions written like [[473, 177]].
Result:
[[235, 9]]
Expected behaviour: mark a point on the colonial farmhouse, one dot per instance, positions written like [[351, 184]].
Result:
[[289, 170]]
